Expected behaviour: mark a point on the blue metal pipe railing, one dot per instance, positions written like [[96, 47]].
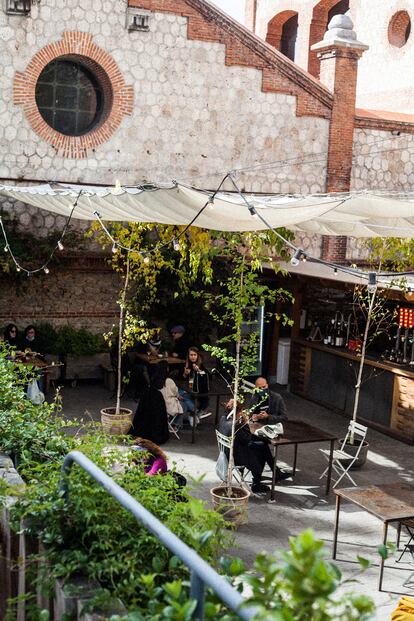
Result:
[[202, 573]]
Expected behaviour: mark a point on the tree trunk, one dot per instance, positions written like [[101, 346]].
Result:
[[120, 336]]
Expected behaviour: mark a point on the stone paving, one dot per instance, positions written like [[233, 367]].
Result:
[[300, 504]]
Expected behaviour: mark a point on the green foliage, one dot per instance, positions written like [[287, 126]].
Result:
[[77, 342], [395, 253]]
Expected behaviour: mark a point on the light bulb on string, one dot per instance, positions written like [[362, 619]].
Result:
[[372, 282], [18, 268], [304, 258], [6, 248], [335, 271], [295, 260], [176, 245], [252, 210], [114, 248], [60, 245], [146, 258], [46, 270]]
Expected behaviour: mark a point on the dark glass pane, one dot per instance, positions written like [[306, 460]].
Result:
[[87, 99], [66, 97], [44, 95], [69, 97], [65, 122]]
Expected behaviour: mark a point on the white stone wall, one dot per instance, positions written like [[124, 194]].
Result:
[[194, 118], [382, 161]]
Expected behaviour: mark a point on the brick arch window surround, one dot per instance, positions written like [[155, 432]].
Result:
[[118, 97], [282, 32], [399, 29], [322, 14]]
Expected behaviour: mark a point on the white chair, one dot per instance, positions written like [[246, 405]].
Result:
[[240, 473], [342, 461], [171, 428]]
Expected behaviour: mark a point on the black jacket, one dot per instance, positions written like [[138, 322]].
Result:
[[276, 407], [151, 419], [242, 438]]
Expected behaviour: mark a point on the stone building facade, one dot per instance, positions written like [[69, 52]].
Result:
[[384, 73], [174, 89]]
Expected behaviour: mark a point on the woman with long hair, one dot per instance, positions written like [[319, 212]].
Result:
[[11, 335], [198, 383], [155, 461]]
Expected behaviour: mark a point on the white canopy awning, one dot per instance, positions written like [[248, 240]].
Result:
[[356, 214]]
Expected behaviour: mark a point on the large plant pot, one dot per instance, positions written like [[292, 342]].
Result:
[[351, 449], [116, 424], [233, 508]]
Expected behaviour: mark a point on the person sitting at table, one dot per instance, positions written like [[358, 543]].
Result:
[[151, 418], [169, 390], [265, 405], [180, 342], [30, 342], [249, 450], [198, 383], [11, 335]]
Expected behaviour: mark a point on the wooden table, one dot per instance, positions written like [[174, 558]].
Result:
[[41, 365], [391, 502], [156, 359], [298, 432]]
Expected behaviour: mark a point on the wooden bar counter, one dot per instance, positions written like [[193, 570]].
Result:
[[327, 375]]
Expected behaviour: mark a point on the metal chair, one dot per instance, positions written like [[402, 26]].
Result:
[[240, 473], [408, 547], [342, 461], [171, 427]]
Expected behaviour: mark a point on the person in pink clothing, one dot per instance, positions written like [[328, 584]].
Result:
[[155, 462]]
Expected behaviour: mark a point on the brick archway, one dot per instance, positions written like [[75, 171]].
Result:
[[119, 96], [321, 16], [279, 36]]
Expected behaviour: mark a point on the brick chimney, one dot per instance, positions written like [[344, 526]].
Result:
[[339, 53]]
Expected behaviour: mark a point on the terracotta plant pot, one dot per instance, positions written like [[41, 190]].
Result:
[[233, 508], [351, 449], [116, 424]]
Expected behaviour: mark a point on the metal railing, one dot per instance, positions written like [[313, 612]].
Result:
[[202, 573]]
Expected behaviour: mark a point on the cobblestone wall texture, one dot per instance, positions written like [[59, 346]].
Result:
[[384, 80], [194, 117], [382, 161]]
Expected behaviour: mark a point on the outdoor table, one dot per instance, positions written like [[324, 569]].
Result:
[[298, 432], [41, 365], [156, 359], [391, 502]]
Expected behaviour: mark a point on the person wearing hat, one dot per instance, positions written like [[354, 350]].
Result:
[[180, 341]]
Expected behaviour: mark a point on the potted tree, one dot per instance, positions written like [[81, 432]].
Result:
[[240, 291], [117, 420]]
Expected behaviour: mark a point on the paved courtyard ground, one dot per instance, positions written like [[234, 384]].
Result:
[[300, 504]]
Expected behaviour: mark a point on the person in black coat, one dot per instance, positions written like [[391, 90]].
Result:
[[11, 335], [151, 418], [266, 406], [30, 341]]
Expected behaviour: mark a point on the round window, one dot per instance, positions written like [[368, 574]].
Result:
[[69, 97], [399, 29]]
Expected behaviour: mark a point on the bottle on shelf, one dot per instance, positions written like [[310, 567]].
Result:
[[330, 334], [340, 334]]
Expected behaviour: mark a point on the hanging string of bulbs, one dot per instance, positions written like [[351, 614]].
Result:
[[298, 254]]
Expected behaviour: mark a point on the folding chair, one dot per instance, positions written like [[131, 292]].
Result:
[[171, 428], [408, 547], [342, 461], [240, 473]]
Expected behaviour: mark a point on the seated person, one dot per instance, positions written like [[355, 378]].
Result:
[[180, 342], [155, 461], [11, 335], [169, 390], [151, 418], [154, 344], [266, 406], [198, 382], [249, 451], [30, 342]]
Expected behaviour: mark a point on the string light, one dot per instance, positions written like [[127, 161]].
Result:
[[6, 248], [46, 270], [114, 248], [295, 260], [176, 244], [146, 258], [60, 245], [335, 271], [372, 282]]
